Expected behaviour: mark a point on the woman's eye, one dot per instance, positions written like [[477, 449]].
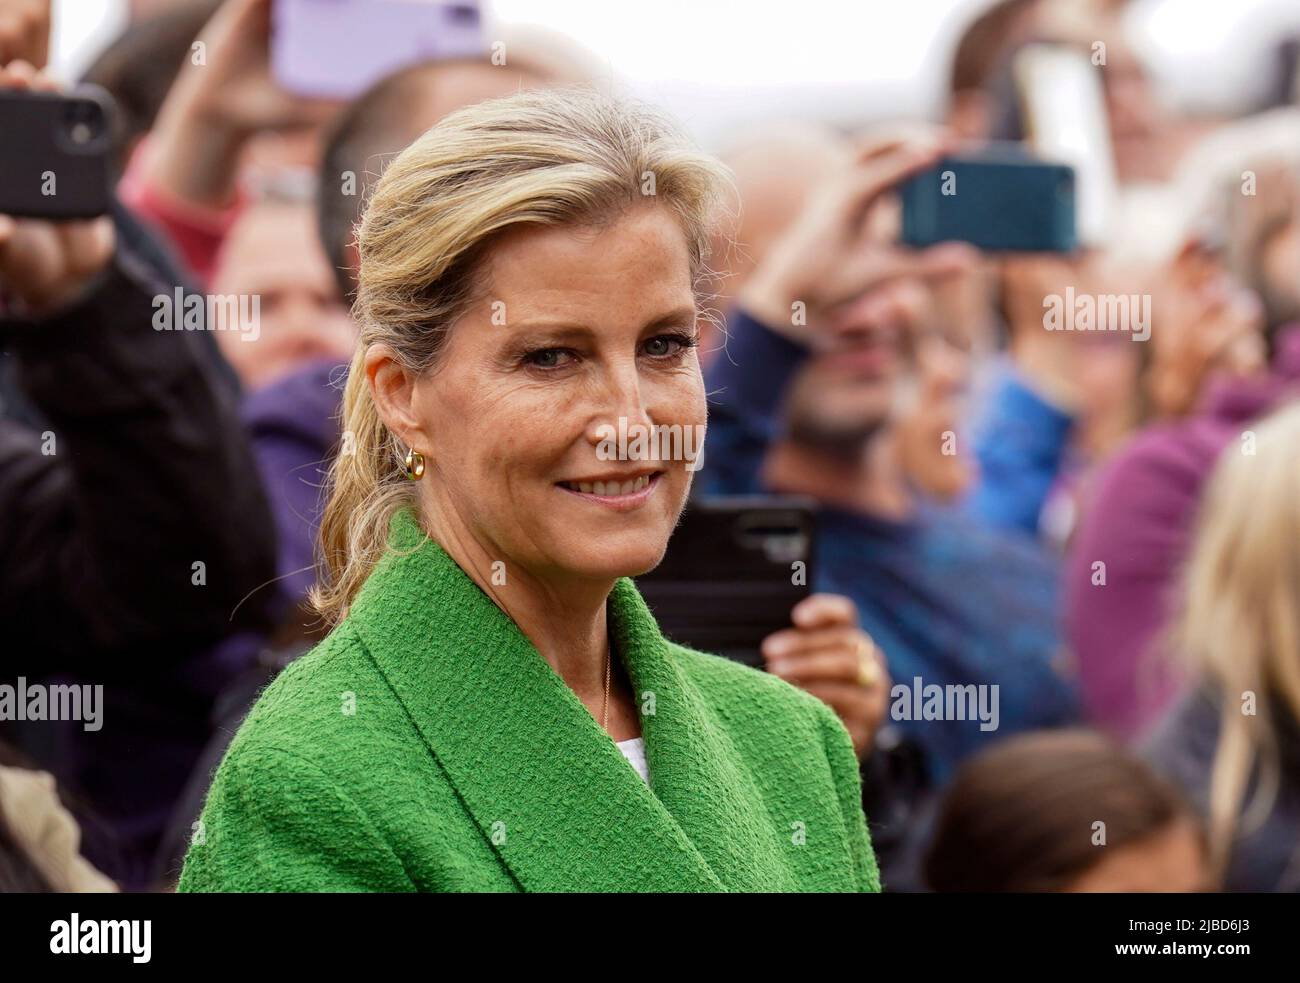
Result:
[[666, 345], [546, 358]]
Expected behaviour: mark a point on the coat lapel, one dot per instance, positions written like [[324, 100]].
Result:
[[698, 775], [546, 785]]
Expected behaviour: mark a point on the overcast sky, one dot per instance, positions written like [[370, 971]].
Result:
[[719, 63]]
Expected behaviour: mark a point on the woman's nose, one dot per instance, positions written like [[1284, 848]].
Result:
[[621, 406]]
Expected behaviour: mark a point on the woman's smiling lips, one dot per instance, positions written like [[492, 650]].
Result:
[[619, 492]]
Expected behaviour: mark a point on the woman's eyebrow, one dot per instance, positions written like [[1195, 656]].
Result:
[[567, 329], [559, 330], [675, 318]]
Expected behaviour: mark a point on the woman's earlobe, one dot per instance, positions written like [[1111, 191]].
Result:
[[392, 387]]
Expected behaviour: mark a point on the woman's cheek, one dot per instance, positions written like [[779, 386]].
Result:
[[686, 395], [686, 408]]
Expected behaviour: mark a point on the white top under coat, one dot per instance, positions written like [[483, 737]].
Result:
[[634, 750]]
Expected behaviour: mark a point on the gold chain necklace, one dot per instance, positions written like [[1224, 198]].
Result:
[[604, 705]]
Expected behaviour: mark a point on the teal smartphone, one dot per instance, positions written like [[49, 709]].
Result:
[[998, 201]]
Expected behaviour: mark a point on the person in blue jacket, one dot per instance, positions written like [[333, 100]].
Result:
[[804, 400]]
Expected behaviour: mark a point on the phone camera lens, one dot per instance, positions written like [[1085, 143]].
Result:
[[84, 121]]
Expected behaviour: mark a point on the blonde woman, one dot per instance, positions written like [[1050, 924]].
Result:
[[495, 709], [1235, 743]]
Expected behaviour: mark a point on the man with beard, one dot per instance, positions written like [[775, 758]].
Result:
[[806, 400]]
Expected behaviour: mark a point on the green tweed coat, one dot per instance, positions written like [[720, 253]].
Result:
[[425, 745]]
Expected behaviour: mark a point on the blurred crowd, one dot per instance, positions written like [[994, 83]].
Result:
[[1104, 531]]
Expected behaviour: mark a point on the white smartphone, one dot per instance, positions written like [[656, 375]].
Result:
[[1065, 113]]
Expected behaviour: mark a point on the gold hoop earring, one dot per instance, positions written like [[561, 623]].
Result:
[[414, 465]]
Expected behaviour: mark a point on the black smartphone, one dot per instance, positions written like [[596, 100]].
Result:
[[56, 153], [734, 570], [1000, 200]]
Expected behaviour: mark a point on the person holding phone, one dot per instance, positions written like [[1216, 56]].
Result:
[[122, 466], [495, 709], [820, 357], [224, 115]]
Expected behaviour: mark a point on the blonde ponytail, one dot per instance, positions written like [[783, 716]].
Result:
[[367, 489]]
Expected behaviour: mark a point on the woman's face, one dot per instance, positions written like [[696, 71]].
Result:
[[1171, 860], [580, 333]]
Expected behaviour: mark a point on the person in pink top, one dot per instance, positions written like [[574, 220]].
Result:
[[1206, 382], [222, 120]]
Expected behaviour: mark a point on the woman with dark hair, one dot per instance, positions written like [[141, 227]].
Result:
[[1063, 811]]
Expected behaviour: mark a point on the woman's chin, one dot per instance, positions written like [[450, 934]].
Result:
[[618, 560]]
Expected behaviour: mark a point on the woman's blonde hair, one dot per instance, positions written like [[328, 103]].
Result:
[[542, 157], [1239, 624]]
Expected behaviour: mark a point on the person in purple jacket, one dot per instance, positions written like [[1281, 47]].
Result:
[[1135, 531]]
